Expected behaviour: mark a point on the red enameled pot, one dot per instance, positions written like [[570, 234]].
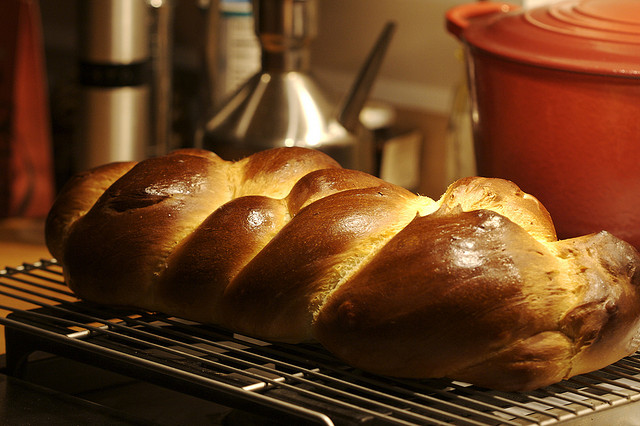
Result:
[[555, 94]]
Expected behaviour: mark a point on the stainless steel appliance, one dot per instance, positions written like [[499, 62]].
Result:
[[284, 105], [156, 369], [115, 81]]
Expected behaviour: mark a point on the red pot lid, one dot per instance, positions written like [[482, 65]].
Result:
[[593, 36]]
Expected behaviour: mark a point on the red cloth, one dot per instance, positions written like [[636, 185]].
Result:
[[26, 163]]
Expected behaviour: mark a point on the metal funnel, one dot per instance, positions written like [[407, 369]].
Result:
[[283, 105]]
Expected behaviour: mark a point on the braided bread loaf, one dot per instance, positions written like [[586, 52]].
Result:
[[286, 245]]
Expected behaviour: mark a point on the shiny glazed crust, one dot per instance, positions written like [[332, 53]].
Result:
[[285, 245]]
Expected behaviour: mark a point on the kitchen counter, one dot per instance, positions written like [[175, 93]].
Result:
[[23, 403], [21, 240]]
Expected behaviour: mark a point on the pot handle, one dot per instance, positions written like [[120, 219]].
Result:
[[459, 17]]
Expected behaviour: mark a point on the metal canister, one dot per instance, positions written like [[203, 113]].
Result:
[[115, 81]]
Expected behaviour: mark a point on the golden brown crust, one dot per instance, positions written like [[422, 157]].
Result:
[[464, 285], [286, 245], [504, 197], [325, 182], [76, 197], [241, 227], [273, 173], [477, 280], [309, 257], [175, 193]]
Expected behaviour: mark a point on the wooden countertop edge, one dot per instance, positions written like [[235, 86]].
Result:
[[21, 241]]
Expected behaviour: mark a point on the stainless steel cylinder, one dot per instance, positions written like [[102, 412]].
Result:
[[114, 31], [115, 81]]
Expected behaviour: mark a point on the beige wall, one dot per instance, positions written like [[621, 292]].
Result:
[[421, 65]]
